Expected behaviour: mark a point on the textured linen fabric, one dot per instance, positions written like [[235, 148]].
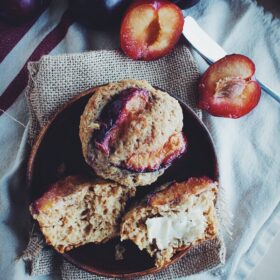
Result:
[[248, 148], [56, 79], [198, 259]]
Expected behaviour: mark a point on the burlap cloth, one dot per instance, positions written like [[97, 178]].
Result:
[[54, 80]]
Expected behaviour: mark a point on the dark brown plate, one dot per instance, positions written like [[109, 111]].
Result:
[[57, 152]]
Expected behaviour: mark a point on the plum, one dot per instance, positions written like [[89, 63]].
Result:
[[18, 11], [101, 14], [128, 102], [184, 4], [228, 89], [150, 29], [161, 158]]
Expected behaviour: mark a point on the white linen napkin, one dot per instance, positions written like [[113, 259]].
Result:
[[248, 148]]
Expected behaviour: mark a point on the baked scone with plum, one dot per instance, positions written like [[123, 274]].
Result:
[[131, 132], [174, 218], [78, 210]]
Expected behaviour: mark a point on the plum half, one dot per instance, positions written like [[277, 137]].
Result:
[[161, 158], [150, 29], [116, 117], [228, 89]]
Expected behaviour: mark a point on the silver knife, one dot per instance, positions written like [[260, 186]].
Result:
[[210, 50]]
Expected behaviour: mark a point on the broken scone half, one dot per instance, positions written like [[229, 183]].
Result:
[[178, 216], [78, 210]]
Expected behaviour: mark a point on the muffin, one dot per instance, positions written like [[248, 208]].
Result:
[[77, 210], [131, 132], [178, 216]]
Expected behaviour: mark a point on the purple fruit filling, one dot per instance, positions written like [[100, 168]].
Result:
[[116, 113], [114, 120]]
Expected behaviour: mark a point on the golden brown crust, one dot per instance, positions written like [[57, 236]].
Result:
[[78, 210], [177, 192], [57, 191], [172, 199], [164, 119]]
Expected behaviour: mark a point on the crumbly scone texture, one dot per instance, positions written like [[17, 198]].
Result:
[[173, 199], [147, 133], [77, 210]]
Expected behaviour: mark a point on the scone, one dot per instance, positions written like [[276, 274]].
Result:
[[76, 211], [174, 218], [131, 132]]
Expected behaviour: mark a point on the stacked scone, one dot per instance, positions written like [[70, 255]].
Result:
[[130, 134]]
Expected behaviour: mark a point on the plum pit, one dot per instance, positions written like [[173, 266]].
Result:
[[230, 87], [153, 31]]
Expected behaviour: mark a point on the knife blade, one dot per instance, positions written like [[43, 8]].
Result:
[[212, 51]]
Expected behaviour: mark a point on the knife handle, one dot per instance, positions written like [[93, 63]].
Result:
[[270, 91]]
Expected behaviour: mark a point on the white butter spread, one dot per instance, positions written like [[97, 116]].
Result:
[[185, 226]]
